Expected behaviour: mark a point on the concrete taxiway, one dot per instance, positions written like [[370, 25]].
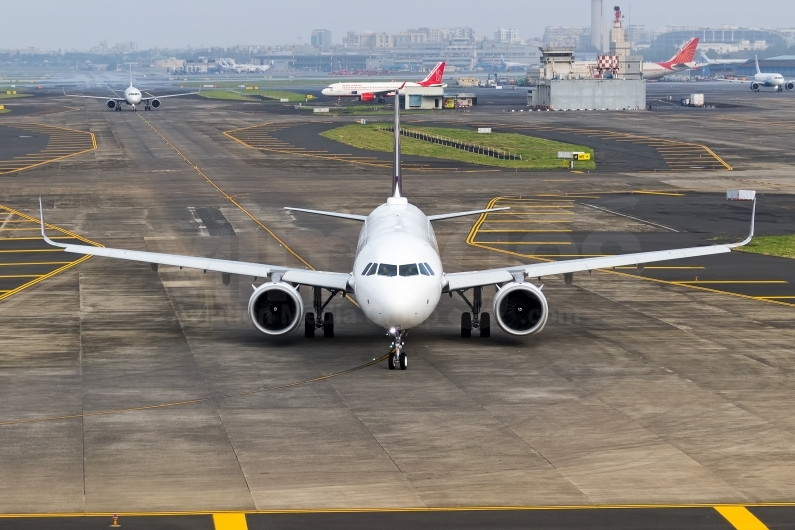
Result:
[[125, 390]]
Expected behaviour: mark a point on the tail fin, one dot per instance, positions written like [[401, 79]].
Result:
[[756, 60], [435, 77], [686, 52], [397, 177], [131, 74]]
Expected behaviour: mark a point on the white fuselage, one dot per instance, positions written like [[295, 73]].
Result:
[[656, 70], [132, 96], [769, 80], [357, 89], [406, 284]]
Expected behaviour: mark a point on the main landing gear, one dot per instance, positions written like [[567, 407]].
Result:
[[311, 323], [475, 319], [397, 357]]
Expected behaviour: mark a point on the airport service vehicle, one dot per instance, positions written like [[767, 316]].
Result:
[[681, 61], [398, 277], [381, 90], [132, 97], [768, 80]]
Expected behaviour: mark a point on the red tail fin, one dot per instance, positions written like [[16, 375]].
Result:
[[685, 53], [435, 77]]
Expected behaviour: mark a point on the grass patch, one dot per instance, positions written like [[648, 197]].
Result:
[[223, 94], [781, 246], [537, 153], [291, 97], [3, 111], [3, 95]]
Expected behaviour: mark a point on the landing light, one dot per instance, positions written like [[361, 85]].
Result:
[[392, 331]]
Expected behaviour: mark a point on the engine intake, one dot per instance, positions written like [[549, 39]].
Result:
[[521, 309], [111, 104], [367, 97], [789, 85], [155, 103], [754, 86], [276, 308]]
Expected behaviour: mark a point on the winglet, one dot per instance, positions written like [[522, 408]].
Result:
[[43, 234], [751, 233]]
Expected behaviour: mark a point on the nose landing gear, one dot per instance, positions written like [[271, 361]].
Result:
[[397, 357]]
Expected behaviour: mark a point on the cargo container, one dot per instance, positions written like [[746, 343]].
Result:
[[697, 100], [740, 195]]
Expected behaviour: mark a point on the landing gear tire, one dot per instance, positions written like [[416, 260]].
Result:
[[466, 324], [328, 325], [403, 361], [309, 325], [392, 362], [485, 325]]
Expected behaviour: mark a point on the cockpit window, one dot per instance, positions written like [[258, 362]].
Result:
[[430, 270], [367, 268], [409, 270], [423, 270], [384, 269]]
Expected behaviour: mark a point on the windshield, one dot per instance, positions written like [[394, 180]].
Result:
[[384, 269], [409, 270]]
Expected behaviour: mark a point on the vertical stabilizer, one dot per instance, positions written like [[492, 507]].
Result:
[[756, 60], [130, 75], [397, 177]]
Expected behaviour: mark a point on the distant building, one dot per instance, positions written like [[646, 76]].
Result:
[[506, 35], [597, 24], [729, 37], [321, 39], [578, 37]]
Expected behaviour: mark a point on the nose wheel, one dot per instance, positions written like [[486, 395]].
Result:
[[398, 357]]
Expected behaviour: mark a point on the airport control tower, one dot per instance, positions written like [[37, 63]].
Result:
[[619, 45], [597, 24]]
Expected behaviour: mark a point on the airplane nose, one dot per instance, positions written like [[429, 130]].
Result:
[[326, 92]]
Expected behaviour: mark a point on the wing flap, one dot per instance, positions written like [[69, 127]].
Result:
[[337, 281], [351, 216], [462, 214], [465, 280]]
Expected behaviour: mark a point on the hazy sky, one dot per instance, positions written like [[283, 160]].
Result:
[[52, 24]]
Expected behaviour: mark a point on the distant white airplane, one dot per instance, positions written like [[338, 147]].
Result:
[[380, 90], [397, 277], [708, 61], [241, 68], [508, 64], [132, 97], [769, 80]]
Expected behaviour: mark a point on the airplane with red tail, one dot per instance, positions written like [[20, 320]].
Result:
[[680, 62], [380, 90]]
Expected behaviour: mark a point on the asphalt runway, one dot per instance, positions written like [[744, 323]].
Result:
[[130, 391]]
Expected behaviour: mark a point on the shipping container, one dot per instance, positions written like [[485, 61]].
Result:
[[697, 100], [740, 195]]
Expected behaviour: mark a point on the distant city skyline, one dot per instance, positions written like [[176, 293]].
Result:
[[82, 24]]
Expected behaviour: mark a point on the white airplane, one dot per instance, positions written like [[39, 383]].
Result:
[[770, 80], [380, 90], [508, 64], [240, 68], [398, 277], [132, 97], [708, 61]]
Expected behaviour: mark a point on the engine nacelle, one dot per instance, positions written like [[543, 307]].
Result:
[[155, 103], [521, 309], [111, 104], [754, 86], [789, 85], [276, 308], [367, 97]]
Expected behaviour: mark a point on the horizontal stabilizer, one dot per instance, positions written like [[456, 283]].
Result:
[[463, 214], [330, 214]]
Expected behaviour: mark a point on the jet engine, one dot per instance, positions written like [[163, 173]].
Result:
[[367, 97], [521, 309], [276, 308], [789, 85], [111, 104], [755, 86], [155, 103]]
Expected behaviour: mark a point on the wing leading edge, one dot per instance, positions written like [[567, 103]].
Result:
[[465, 280], [328, 280]]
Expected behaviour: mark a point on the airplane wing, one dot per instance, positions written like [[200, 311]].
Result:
[[464, 280], [329, 280], [171, 95], [117, 98]]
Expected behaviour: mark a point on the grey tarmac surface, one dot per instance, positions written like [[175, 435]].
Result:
[[638, 392]]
